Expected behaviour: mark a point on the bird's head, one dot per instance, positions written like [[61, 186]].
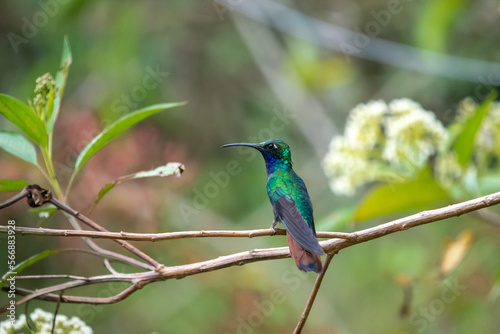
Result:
[[275, 152]]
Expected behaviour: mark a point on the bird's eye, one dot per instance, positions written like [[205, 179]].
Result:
[[271, 146]]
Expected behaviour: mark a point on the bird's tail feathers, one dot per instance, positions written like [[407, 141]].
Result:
[[305, 260]]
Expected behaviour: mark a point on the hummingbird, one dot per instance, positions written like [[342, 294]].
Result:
[[291, 203]]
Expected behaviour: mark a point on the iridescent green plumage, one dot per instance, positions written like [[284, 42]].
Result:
[[291, 203]]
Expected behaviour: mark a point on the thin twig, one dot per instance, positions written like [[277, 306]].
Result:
[[108, 266], [104, 252], [312, 296], [98, 227], [330, 246], [15, 198], [130, 278], [51, 277], [51, 297], [56, 311], [164, 236], [29, 190]]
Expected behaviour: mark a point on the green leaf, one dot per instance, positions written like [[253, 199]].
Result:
[[21, 115], [414, 194], [104, 191], [25, 264], [60, 83], [16, 144], [9, 185], [172, 168], [117, 128], [464, 142]]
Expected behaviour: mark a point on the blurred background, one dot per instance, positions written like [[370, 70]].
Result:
[[251, 71]]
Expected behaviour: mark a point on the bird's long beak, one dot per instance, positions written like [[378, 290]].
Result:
[[256, 146]]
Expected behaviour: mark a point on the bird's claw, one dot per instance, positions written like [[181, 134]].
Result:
[[273, 228]]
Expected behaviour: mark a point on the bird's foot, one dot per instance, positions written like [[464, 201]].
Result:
[[274, 228]]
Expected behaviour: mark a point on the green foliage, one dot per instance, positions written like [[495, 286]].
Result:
[[209, 61], [24, 117], [54, 102], [116, 129], [422, 192], [464, 142], [416, 162], [26, 263], [37, 121], [9, 185]]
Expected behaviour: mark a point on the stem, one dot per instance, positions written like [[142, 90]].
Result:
[[312, 296], [47, 158]]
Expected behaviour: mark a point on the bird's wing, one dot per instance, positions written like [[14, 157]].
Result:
[[295, 224]]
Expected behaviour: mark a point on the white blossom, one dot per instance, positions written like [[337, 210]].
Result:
[[43, 324], [382, 142]]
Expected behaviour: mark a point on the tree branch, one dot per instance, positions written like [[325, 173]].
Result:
[[98, 227], [415, 220], [332, 246], [312, 296], [135, 279], [164, 236], [105, 252], [15, 198], [51, 297]]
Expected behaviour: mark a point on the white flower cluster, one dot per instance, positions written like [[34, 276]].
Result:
[[383, 142], [43, 324]]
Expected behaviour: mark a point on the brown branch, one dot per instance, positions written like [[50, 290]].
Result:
[[415, 220], [107, 253], [312, 296], [331, 246], [51, 297], [136, 278], [110, 268], [38, 196], [15, 198], [55, 312], [98, 227], [62, 276], [164, 236]]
